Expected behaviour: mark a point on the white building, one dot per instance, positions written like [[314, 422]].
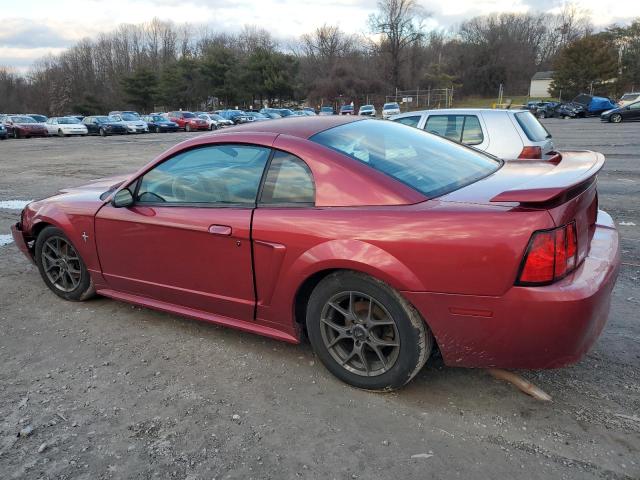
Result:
[[540, 85]]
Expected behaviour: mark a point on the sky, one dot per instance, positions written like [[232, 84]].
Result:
[[32, 29]]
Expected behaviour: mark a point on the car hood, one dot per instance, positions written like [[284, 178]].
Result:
[[99, 185], [137, 123]]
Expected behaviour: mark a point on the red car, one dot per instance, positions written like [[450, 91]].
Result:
[[381, 241], [188, 121], [23, 126]]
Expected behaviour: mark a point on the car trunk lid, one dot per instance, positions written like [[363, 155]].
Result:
[[566, 187]]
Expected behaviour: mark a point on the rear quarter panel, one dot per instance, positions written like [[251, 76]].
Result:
[[434, 246]]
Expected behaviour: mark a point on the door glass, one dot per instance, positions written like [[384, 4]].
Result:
[[448, 126], [634, 106], [224, 174], [411, 121], [472, 134], [289, 181]]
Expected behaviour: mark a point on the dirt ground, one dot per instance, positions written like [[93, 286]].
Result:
[[113, 391]]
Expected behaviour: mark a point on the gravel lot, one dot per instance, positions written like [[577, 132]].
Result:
[[115, 391]]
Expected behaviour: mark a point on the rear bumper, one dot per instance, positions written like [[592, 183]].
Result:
[[529, 327], [21, 241]]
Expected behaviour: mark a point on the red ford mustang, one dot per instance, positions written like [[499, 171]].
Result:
[[381, 241]]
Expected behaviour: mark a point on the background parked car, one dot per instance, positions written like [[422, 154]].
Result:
[[222, 122], [159, 124], [212, 124], [311, 111], [593, 105], [389, 109], [132, 121], [65, 126], [187, 121], [103, 126], [630, 112], [3, 132], [506, 134], [628, 98], [236, 116], [346, 110], [38, 118], [368, 110], [283, 112], [326, 111], [22, 126]]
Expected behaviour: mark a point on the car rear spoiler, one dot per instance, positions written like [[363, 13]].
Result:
[[573, 169]]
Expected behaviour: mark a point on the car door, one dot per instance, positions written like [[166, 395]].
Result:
[[52, 126], [186, 238], [633, 111]]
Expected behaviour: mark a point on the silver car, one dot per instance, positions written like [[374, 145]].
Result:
[[506, 134]]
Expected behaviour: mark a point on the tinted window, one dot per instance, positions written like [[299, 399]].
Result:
[[427, 163], [289, 180], [411, 121], [634, 106], [472, 131], [225, 174], [532, 128]]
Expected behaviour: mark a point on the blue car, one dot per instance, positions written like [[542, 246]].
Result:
[[159, 124], [3, 132]]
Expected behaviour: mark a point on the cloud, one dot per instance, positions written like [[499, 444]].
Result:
[[25, 33]]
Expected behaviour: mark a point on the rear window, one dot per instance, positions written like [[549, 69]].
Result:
[[431, 165], [390, 106], [532, 128]]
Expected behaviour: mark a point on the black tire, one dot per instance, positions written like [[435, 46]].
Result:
[[187, 128], [16, 134], [158, 130], [84, 288], [615, 118], [103, 132], [409, 340]]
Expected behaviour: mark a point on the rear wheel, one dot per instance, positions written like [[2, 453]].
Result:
[[365, 333], [61, 267], [187, 127], [60, 134], [616, 118], [16, 134], [157, 129]]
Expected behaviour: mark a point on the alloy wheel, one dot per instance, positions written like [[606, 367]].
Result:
[[616, 118], [360, 333], [61, 264]]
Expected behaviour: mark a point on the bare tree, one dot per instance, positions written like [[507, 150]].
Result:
[[400, 25]]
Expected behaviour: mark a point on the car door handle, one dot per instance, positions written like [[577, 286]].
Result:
[[220, 229]]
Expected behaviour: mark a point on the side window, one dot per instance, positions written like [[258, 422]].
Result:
[[459, 128], [634, 106], [411, 121], [214, 175], [448, 126], [288, 181], [472, 132]]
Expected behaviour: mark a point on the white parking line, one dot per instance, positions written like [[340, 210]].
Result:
[[5, 240], [14, 204]]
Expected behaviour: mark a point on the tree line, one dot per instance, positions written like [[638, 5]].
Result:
[[163, 65]]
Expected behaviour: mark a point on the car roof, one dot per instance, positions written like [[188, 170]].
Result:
[[303, 127], [444, 111]]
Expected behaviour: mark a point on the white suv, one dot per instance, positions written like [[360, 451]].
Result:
[[506, 134], [390, 109]]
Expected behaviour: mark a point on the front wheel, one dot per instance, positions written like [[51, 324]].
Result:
[[157, 129], [616, 118], [61, 267], [187, 128], [365, 333], [16, 134]]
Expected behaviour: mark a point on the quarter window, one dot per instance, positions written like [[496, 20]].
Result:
[[215, 175], [459, 128], [288, 181]]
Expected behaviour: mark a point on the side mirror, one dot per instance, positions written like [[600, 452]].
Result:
[[124, 198]]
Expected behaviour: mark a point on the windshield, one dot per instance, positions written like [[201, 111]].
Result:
[[129, 117], [39, 118], [157, 118], [390, 106], [188, 115], [68, 120], [347, 107], [115, 118], [430, 164], [326, 109], [215, 116], [20, 119], [366, 107], [532, 128], [630, 96], [104, 119]]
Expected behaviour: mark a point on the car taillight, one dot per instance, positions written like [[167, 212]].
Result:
[[531, 152], [550, 256]]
